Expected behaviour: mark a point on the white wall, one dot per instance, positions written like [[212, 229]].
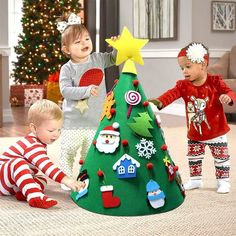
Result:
[[5, 51], [201, 12], [161, 70]]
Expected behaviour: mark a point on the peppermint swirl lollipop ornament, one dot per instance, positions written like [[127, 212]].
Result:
[[132, 98]]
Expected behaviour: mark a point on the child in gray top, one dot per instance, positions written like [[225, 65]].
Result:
[[82, 104]]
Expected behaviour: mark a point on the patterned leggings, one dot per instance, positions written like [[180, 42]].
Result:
[[71, 142], [219, 150], [16, 176]]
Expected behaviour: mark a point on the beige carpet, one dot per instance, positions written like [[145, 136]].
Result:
[[204, 212]]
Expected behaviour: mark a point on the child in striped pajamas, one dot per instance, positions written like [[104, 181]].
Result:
[[21, 162]]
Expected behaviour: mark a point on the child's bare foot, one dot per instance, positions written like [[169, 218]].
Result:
[[42, 202]]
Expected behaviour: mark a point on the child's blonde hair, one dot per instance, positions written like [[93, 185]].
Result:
[[44, 110], [71, 33]]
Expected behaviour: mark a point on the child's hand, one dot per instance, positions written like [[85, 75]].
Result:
[[114, 38], [156, 102], [94, 90], [225, 99], [73, 184]]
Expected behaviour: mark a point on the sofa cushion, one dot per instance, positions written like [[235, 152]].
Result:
[[232, 63], [221, 67], [231, 83]]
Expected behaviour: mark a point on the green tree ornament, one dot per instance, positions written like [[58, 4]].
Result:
[[142, 124]]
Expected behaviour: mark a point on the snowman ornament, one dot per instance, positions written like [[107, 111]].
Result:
[[156, 197]]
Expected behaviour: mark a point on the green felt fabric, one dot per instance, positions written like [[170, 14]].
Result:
[[132, 191]]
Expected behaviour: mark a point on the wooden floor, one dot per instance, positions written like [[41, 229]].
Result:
[[19, 125]]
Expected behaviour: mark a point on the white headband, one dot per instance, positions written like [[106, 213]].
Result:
[[72, 20]]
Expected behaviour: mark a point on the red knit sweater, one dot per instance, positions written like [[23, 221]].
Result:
[[204, 112]]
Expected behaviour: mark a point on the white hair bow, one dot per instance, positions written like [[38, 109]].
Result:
[[72, 20]]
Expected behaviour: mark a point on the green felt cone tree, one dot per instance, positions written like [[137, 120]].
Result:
[[128, 170]]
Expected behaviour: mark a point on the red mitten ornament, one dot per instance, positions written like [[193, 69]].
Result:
[[107, 199]]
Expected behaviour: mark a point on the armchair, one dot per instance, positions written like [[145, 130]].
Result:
[[226, 67]]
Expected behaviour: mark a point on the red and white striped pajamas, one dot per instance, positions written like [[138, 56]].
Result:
[[19, 165]]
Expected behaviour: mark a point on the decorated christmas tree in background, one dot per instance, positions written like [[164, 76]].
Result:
[[128, 170], [38, 51]]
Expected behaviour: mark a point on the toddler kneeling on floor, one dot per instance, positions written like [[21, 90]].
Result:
[[21, 162]]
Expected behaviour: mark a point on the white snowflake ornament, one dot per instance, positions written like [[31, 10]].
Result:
[[145, 148], [196, 53]]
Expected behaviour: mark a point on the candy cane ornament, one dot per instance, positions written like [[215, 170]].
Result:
[[132, 98]]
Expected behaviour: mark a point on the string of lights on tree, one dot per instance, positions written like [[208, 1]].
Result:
[[39, 46]]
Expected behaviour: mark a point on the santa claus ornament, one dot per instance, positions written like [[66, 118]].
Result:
[[108, 139], [127, 174]]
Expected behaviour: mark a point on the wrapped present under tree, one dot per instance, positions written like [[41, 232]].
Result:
[[53, 89], [32, 96], [17, 93]]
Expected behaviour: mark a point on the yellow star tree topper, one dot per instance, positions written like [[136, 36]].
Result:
[[128, 49]]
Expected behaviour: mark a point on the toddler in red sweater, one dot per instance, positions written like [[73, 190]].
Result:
[[203, 95]]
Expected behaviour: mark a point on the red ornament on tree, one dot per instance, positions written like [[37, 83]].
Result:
[[145, 104], [100, 173], [113, 111], [149, 166], [176, 168], [125, 142], [164, 147], [81, 162], [135, 83]]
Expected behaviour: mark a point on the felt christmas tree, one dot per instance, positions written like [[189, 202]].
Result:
[[128, 170]]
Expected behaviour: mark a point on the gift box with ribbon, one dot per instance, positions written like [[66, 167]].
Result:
[[53, 89]]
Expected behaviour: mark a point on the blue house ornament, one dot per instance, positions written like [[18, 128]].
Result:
[[126, 167]]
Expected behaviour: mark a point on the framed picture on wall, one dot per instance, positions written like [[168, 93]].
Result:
[[155, 19], [223, 15]]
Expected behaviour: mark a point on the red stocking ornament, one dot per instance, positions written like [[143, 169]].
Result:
[[108, 200]]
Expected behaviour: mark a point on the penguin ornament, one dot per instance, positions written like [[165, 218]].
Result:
[[83, 176], [156, 197]]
